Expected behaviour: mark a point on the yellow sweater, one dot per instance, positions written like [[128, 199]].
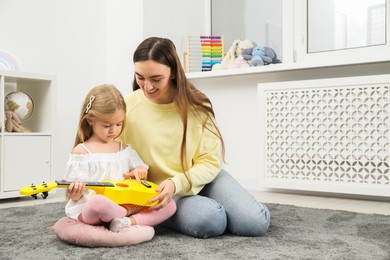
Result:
[[155, 132]]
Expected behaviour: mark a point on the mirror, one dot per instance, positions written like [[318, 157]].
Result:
[[345, 24]]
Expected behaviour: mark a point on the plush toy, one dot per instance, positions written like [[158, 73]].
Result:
[[259, 56], [233, 53], [12, 122], [269, 52], [240, 62], [255, 56]]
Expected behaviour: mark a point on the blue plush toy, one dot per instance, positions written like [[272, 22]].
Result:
[[259, 56]]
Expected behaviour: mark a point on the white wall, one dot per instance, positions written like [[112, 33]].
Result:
[[83, 43], [236, 109], [179, 19], [124, 31]]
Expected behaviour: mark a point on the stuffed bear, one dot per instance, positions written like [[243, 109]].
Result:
[[12, 122], [259, 56], [233, 53]]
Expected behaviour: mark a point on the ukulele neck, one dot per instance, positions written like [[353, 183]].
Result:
[[87, 184]]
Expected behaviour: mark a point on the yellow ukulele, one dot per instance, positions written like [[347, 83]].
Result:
[[121, 192]]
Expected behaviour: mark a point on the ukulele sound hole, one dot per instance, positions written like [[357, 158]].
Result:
[[122, 185]]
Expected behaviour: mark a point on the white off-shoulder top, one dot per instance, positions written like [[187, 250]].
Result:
[[98, 167]]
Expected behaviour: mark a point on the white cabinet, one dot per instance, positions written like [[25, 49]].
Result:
[[26, 157]]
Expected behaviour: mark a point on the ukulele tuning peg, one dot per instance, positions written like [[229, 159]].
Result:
[[34, 196]]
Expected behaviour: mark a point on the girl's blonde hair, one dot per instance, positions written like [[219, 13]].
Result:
[[101, 102]]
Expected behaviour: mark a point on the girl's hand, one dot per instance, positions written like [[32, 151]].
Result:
[[166, 190], [140, 173], [75, 190]]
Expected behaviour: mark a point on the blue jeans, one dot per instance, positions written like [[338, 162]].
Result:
[[222, 205]]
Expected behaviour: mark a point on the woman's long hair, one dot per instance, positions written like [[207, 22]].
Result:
[[188, 98]]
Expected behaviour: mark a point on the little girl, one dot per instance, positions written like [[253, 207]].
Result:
[[97, 156]]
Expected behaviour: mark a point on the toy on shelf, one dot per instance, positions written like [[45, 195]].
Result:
[[18, 106], [121, 192], [239, 62], [233, 58], [12, 122], [203, 52], [259, 56]]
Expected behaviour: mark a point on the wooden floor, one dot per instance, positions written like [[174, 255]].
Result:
[[378, 206]]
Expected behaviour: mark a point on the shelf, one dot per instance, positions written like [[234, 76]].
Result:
[[39, 88], [280, 67], [26, 157], [14, 75], [27, 134]]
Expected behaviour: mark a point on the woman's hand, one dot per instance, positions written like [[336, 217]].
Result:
[[166, 190], [140, 173], [75, 190]]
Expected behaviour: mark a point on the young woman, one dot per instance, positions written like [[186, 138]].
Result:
[[172, 126], [97, 156]]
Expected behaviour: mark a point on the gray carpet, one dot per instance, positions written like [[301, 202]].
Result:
[[295, 233]]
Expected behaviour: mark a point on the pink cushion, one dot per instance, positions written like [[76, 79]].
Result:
[[78, 233]]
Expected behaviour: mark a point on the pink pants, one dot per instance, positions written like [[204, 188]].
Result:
[[99, 209]]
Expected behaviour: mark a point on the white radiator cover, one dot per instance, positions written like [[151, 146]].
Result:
[[326, 135]]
